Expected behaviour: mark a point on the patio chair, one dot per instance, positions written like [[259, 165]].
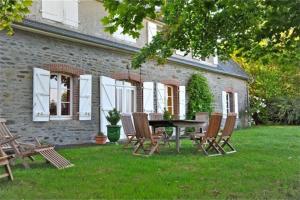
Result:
[[26, 150], [224, 138], [144, 134], [4, 161], [160, 130], [208, 140], [128, 129]]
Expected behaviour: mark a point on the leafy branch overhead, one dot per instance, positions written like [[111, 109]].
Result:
[[12, 11], [254, 27]]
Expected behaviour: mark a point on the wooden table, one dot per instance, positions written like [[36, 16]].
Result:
[[177, 124]]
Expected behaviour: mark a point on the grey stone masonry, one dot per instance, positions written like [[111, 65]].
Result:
[[26, 50]]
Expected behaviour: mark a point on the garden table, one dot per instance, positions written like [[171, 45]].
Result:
[[177, 124]]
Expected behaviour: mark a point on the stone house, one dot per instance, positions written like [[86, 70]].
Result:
[[60, 74]]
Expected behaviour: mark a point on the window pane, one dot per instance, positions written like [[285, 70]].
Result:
[[53, 81], [65, 82], [169, 101], [65, 96], [170, 109], [169, 91], [53, 101], [65, 109]]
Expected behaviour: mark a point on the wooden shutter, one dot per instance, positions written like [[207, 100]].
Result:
[[107, 99], [152, 31], [41, 95], [148, 96], [85, 97], [160, 97], [236, 104], [71, 12], [182, 105], [224, 104], [53, 10]]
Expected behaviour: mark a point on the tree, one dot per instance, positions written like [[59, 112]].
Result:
[[254, 27], [12, 11]]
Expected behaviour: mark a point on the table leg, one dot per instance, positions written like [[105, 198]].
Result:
[[177, 139]]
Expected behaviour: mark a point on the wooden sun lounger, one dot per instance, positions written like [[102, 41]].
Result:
[[25, 150], [144, 134], [129, 129], [4, 161], [209, 139], [224, 138]]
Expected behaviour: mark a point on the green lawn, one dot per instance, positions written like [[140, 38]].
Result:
[[267, 165]]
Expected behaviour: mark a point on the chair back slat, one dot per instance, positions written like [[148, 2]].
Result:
[[156, 116], [127, 124], [141, 124], [229, 124], [214, 125], [4, 132]]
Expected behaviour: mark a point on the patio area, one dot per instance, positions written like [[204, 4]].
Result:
[[265, 166]]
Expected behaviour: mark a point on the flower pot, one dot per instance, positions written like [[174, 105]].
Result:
[[113, 132], [100, 139], [169, 131]]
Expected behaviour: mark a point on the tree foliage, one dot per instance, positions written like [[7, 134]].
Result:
[[12, 11], [200, 96], [253, 27]]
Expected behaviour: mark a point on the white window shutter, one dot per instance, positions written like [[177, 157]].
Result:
[[148, 97], [152, 31], [236, 104], [85, 97], [71, 12], [41, 93], [107, 99], [53, 10], [160, 97], [182, 105], [224, 106]]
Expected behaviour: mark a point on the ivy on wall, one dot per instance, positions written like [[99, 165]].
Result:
[[200, 96]]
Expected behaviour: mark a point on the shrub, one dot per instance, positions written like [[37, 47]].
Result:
[[113, 117], [200, 96]]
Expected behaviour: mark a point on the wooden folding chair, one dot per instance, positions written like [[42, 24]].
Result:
[[223, 140], [4, 161], [25, 150], [144, 134], [160, 130], [129, 129], [208, 140]]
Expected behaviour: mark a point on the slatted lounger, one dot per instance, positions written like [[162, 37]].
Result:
[[25, 150]]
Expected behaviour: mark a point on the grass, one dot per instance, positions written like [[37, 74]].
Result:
[[266, 166]]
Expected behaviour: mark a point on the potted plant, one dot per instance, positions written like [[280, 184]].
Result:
[[168, 116], [113, 130], [100, 138]]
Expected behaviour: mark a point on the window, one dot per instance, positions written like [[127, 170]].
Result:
[[152, 31], [180, 53], [119, 35], [60, 96], [170, 98], [229, 102], [125, 97], [64, 11]]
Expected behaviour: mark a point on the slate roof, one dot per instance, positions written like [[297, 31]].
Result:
[[229, 68]]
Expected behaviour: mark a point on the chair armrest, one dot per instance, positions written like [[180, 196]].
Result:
[[8, 140]]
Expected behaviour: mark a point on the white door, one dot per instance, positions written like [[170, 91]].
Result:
[[107, 99]]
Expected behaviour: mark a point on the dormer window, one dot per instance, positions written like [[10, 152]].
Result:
[[125, 37], [64, 11]]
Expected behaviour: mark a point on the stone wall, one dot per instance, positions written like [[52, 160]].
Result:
[[24, 51]]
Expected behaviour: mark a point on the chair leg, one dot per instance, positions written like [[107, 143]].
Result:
[[129, 140], [153, 148], [8, 171]]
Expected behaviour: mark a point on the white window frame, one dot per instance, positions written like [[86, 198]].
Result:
[[124, 86], [172, 98], [58, 107]]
